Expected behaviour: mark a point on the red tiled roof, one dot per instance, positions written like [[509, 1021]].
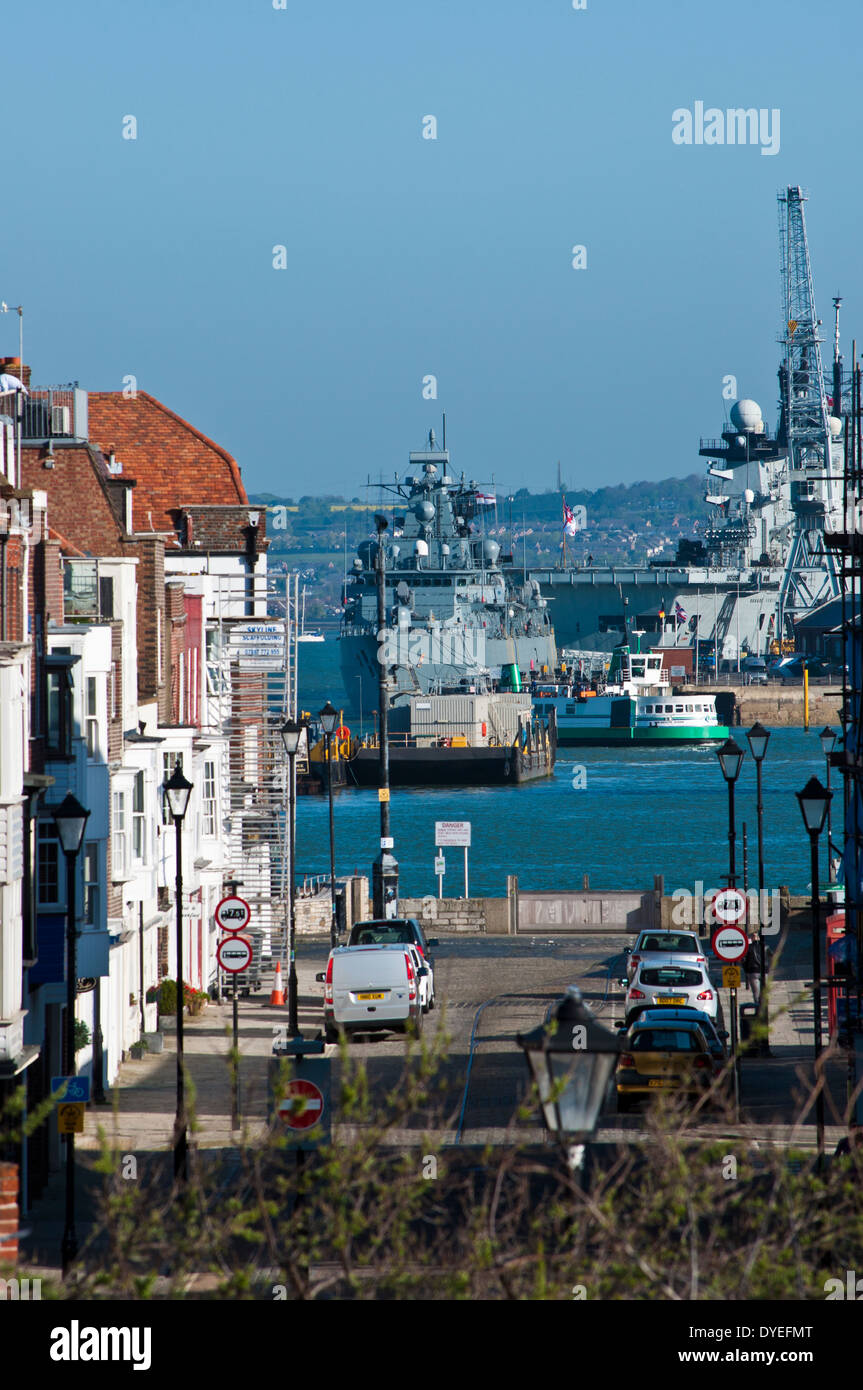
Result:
[[174, 465]]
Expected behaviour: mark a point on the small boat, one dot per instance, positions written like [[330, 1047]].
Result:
[[633, 706], [312, 635]]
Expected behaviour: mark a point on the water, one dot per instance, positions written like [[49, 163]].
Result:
[[640, 813]]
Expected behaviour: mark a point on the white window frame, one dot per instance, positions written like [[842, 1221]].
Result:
[[119, 837]]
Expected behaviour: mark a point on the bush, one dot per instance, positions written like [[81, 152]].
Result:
[[82, 1034], [193, 999]]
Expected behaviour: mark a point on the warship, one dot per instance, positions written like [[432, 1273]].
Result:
[[457, 610], [762, 563]]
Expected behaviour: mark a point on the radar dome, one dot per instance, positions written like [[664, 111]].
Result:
[[490, 552], [746, 415], [835, 426], [421, 548], [749, 496], [424, 512], [367, 550]]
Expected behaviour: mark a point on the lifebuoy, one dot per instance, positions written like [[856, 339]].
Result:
[[484, 729], [343, 732]]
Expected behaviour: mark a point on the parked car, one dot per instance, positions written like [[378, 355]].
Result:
[[665, 980], [754, 670], [369, 988], [666, 943], [425, 975], [715, 1037], [392, 931], [662, 1057]]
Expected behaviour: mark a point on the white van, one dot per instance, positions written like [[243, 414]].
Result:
[[369, 988]]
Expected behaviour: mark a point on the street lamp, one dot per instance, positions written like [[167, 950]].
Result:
[[385, 870], [292, 734], [827, 737], [758, 739], [70, 818], [571, 1059], [814, 802], [329, 717], [730, 757], [177, 791]]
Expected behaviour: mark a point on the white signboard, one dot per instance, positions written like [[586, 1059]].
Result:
[[261, 645], [452, 832]]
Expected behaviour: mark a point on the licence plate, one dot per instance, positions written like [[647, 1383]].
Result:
[[671, 999], [370, 996], [656, 1083]]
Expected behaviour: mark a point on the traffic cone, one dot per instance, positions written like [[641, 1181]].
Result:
[[277, 996]]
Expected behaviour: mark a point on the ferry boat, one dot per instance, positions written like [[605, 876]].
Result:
[[633, 706]]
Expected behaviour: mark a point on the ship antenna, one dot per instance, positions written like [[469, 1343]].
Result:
[[444, 432]]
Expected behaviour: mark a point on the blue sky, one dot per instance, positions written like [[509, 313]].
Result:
[[302, 127]]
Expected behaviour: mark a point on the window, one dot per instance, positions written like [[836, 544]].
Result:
[[119, 839], [47, 863], [91, 884], [91, 720], [209, 800], [112, 688], [169, 761], [58, 711], [139, 819]]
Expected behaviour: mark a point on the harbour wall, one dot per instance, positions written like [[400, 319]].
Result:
[[774, 705]]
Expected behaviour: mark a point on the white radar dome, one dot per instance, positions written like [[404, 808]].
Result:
[[749, 496], [835, 426], [420, 548], [746, 415]]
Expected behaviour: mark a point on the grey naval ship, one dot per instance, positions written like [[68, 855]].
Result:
[[457, 611], [764, 560]]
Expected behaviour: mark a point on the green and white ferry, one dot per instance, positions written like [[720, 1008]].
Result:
[[634, 705]]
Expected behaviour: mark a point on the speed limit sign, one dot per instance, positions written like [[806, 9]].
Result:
[[233, 914]]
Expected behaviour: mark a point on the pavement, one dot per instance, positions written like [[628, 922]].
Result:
[[138, 1120]]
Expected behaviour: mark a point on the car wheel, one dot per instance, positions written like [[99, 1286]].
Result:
[[431, 1004], [331, 1035], [624, 1104]]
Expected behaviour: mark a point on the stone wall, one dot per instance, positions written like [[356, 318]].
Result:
[[469, 915]]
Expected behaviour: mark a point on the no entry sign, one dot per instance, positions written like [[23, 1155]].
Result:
[[234, 954], [730, 943], [303, 1105], [729, 905], [233, 914]]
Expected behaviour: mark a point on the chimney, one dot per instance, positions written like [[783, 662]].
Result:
[[12, 365]]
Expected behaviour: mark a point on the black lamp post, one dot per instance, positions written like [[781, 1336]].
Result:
[[827, 738], [385, 870], [758, 738], [329, 717], [814, 801], [178, 790], [292, 734], [730, 757], [70, 817], [571, 1059]]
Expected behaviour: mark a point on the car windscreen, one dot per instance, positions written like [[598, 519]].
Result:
[[384, 936], [671, 975], [685, 943], [665, 1040]]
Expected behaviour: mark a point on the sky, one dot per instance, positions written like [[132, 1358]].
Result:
[[302, 127]]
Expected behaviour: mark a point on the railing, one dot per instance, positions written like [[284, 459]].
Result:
[[54, 413]]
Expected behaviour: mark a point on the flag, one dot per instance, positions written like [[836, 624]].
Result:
[[486, 499], [679, 613], [569, 525]]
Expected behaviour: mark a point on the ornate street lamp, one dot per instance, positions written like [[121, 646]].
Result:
[[758, 738], [814, 802], [292, 735], [329, 717], [571, 1059], [70, 818], [730, 756], [177, 792]]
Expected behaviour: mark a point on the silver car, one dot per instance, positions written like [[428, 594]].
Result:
[[664, 943], [672, 982]]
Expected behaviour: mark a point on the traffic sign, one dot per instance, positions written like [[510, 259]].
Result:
[[70, 1117], [452, 832], [730, 943], [439, 864], [302, 1106], [731, 977], [383, 793], [729, 905], [77, 1087], [232, 914], [234, 954]]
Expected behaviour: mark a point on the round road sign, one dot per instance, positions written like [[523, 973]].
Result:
[[303, 1105], [729, 905], [234, 954], [730, 943], [233, 914]]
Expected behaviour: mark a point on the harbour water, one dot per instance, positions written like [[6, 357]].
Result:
[[619, 816]]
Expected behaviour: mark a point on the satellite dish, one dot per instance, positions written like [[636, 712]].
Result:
[[403, 593]]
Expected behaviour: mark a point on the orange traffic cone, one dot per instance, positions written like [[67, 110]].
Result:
[[277, 996]]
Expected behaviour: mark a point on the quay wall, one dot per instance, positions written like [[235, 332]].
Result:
[[773, 705]]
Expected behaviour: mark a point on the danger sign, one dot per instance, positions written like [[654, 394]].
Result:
[[303, 1105], [234, 954]]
